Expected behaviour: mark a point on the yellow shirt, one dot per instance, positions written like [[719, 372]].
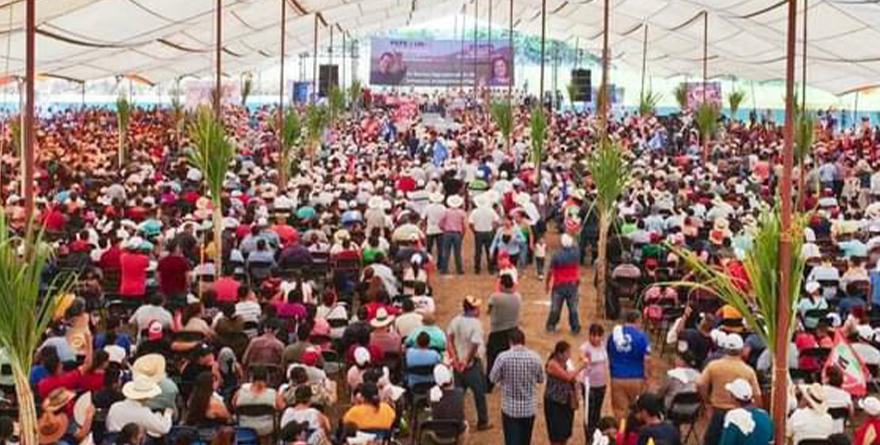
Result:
[[722, 371], [367, 417]]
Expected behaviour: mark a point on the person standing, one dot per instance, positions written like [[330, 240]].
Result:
[[504, 315], [629, 351], [433, 212], [466, 347], [453, 224], [746, 424], [518, 371], [560, 394], [715, 377], [596, 378], [483, 221], [562, 284]]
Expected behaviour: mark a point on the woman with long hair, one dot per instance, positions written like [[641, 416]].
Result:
[[369, 412], [205, 408], [560, 394], [258, 392]]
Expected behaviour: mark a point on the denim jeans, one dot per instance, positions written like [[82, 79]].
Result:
[[482, 242], [451, 245], [474, 378], [433, 241], [517, 430], [569, 295]]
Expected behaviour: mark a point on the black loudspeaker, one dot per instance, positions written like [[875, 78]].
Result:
[[583, 85], [328, 75]]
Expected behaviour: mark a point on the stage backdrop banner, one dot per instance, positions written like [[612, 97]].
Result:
[[695, 94], [198, 92], [439, 63]]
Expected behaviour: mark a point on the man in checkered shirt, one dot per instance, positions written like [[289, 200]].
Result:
[[518, 370]]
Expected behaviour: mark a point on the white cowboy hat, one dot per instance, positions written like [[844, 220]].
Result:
[[141, 388], [382, 319], [436, 197], [455, 201], [150, 366]]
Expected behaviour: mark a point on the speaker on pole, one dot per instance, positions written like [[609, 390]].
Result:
[[328, 76], [580, 78]]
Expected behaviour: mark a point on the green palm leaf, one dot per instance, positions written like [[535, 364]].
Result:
[[681, 96], [123, 116], [761, 305], [335, 103], [502, 114], [539, 134], [317, 118], [706, 118], [735, 99], [25, 313], [291, 132], [355, 93], [648, 103], [212, 153]]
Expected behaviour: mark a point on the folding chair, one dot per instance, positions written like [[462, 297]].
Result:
[[685, 410], [440, 432]]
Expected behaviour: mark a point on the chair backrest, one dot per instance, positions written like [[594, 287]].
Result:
[[441, 431], [255, 410], [814, 442], [684, 402], [839, 413]]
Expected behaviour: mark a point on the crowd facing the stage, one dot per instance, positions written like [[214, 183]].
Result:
[[321, 325]]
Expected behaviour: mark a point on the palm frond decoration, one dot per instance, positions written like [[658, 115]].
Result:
[[502, 114], [291, 132], [759, 301], [681, 96], [15, 134], [25, 314], [538, 129], [735, 99], [317, 118], [123, 116], [335, 103], [355, 94], [247, 87], [212, 153], [706, 117], [611, 174], [572, 91], [177, 114], [648, 103]]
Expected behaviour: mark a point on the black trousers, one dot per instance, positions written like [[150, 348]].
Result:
[[498, 342], [715, 428], [517, 431]]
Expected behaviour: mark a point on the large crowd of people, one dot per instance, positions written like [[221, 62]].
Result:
[[320, 324]]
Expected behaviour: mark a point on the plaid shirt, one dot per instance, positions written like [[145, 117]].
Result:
[[518, 371]]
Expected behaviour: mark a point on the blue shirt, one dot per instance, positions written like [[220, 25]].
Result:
[[874, 276], [627, 360], [420, 357]]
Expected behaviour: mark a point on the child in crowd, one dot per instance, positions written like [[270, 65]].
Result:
[[540, 254]]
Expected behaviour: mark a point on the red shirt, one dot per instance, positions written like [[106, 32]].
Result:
[[172, 275], [134, 274], [226, 290], [110, 259], [70, 380], [93, 381], [288, 234], [55, 221]]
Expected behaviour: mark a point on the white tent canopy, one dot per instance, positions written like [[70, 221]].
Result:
[[161, 40]]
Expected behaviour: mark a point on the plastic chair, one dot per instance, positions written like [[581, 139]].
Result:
[[441, 432], [257, 411]]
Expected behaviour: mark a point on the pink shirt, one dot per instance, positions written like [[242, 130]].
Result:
[[453, 220]]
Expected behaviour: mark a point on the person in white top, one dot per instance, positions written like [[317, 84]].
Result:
[[483, 221], [433, 212], [836, 397], [133, 409], [869, 354], [303, 412], [812, 420]]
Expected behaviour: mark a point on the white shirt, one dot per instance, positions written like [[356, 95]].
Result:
[[869, 354], [837, 398], [807, 423], [131, 411], [484, 219], [433, 213], [248, 311], [147, 313]]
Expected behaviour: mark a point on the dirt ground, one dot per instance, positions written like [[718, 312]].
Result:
[[449, 292]]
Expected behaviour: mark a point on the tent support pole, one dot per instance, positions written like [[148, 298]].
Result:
[[461, 56], [512, 56], [281, 81], [489, 58], [644, 59], [476, 46], [804, 62], [705, 53], [343, 60], [315, 63], [218, 91], [780, 381], [28, 129], [603, 94], [543, 44]]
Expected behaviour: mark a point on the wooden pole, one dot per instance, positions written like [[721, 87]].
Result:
[[476, 47], [330, 47], [489, 57], [344, 41], [218, 88], [28, 130], [780, 368], [512, 56], [603, 94], [315, 63], [705, 53], [543, 43], [281, 81], [644, 60], [804, 63]]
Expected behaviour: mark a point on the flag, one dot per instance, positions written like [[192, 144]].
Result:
[[844, 358]]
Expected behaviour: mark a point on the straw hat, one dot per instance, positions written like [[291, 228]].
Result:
[[150, 366], [141, 388], [814, 394], [436, 197], [382, 319], [870, 405], [58, 399], [81, 407]]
